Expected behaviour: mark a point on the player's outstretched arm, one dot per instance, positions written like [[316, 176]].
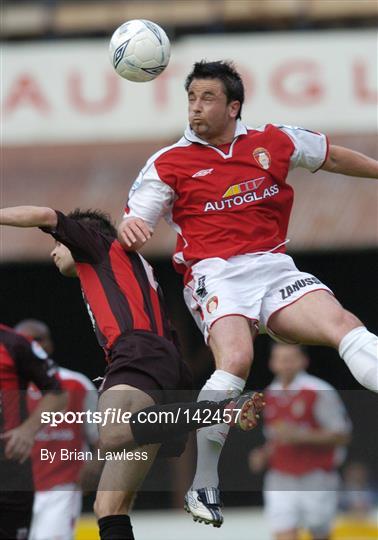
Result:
[[345, 161], [28, 216], [133, 233]]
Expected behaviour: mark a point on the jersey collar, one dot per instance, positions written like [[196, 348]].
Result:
[[189, 134]]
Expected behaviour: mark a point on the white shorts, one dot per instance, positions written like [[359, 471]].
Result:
[[252, 285], [309, 501], [55, 513]]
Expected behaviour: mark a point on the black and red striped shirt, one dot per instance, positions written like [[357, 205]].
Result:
[[21, 362], [119, 287]]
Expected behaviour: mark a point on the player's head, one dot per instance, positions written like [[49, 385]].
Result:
[[286, 361], [95, 218], [100, 221], [216, 95], [38, 331]]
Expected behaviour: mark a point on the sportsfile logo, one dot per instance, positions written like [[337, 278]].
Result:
[[244, 192]]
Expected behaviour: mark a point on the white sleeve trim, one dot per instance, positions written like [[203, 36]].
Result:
[[149, 198], [330, 412], [310, 148]]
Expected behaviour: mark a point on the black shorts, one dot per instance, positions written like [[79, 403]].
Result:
[[15, 476], [16, 509], [152, 364]]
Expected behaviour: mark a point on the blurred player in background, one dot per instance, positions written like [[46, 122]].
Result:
[[58, 497], [21, 362], [307, 428], [144, 363], [359, 495], [223, 188]]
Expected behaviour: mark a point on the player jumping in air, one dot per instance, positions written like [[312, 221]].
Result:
[[144, 365], [223, 188]]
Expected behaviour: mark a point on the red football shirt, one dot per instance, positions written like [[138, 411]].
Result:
[[308, 403], [67, 436], [229, 200]]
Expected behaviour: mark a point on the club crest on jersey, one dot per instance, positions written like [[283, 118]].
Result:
[[298, 408], [212, 304], [262, 157]]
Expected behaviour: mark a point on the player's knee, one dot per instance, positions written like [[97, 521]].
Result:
[[110, 503], [344, 322], [114, 439], [349, 320], [238, 362]]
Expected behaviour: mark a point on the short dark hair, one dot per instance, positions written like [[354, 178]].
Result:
[[97, 219], [224, 71]]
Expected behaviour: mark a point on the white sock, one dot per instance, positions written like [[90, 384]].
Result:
[[210, 441], [359, 350]]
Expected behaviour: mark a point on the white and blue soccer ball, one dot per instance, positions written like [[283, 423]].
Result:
[[139, 50]]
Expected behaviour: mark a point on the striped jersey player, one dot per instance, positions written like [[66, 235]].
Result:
[[145, 373], [21, 362]]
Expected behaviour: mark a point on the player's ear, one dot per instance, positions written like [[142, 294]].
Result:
[[234, 107]]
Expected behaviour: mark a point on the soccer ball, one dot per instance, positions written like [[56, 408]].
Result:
[[139, 50]]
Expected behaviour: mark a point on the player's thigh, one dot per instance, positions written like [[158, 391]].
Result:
[[222, 288], [119, 399], [282, 513], [316, 318], [55, 513], [120, 481], [231, 341], [319, 511], [319, 501]]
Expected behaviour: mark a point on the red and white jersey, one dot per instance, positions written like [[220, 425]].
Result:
[[228, 200], [309, 403], [82, 396]]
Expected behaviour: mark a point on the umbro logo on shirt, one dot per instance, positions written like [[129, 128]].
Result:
[[202, 172]]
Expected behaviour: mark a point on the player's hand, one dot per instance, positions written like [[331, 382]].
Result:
[[287, 433], [133, 233], [18, 443]]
